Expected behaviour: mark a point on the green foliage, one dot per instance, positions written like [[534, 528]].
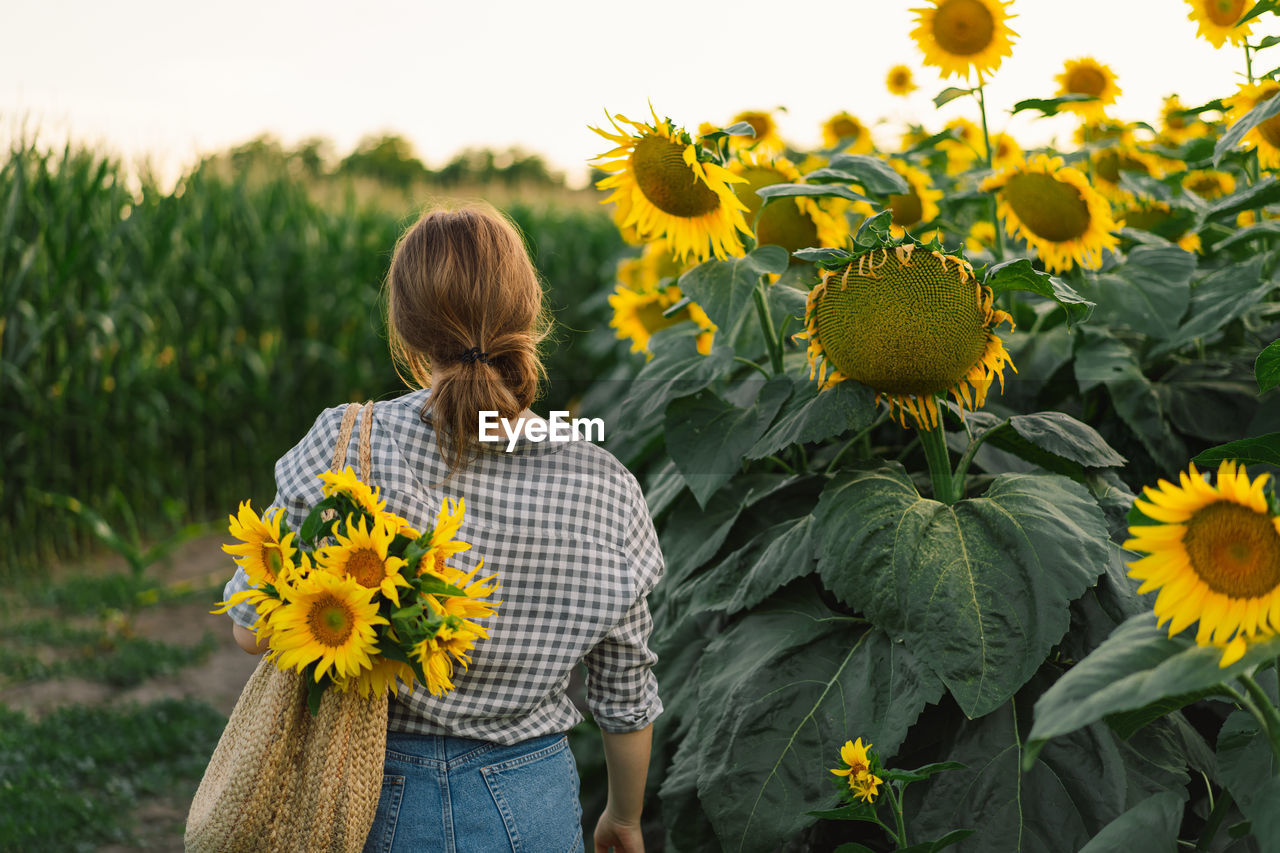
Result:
[[69, 780]]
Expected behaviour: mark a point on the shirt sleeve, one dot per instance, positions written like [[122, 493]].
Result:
[[622, 692], [298, 488]]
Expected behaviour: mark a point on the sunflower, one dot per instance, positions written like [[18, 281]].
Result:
[[385, 675], [664, 191], [865, 787], [846, 132], [899, 81], [1176, 126], [855, 757], [1109, 162], [910, 324], [638, 315], [792, 222], [435, 662], [1159, 218], [263, 553], [1005, 151], [468, 606], [456, 636], [1217, 20], [766, 137], [442, 543], [361, 554], [346, 482], [1214, 554], [1265, 136], [916, 206], [1209, 183], [647, 272], [1055, 210], [962, 36], [982, 236], [1087, 76], [327, 620], [964, 148]]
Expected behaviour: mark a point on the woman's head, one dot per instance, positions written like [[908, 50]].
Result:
[[461, 283]]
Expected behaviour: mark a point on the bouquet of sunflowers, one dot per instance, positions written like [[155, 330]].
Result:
[[357, 597]]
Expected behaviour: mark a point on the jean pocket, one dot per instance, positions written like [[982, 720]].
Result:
[[537, 795], [383, 832]]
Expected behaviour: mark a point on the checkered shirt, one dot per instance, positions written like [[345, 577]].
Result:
[[565, 527]]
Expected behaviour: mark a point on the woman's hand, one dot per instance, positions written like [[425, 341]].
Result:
[[248, 640], [618, 835]]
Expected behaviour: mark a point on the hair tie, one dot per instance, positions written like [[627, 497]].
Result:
[[473, 355]]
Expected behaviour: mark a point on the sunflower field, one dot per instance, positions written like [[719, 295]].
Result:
[[961, 454]]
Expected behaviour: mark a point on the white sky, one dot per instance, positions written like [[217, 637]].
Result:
[[174, 79]]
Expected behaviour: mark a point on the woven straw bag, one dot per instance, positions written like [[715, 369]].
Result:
[[281, 780]]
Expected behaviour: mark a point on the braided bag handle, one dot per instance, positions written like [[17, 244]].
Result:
[[280, 780]]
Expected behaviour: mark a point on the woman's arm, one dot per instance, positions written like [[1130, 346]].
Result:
[[248, 640], [626, 755]]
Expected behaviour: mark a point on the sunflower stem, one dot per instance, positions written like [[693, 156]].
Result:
[[962, 467], [997, 248], [896, 804], [1248, 63], [1266, 712], [751, 363], [1216, 816], [934, 441], [766, 326]]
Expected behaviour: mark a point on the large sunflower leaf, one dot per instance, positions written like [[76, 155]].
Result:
[[1138, 667], [1148, 292], [1054, 806], [707, 435], [1149, 827], [1019, 274], [778, 555], [979, 589], [813, 415], [1254, 196], [723, 288], [1259, 450], [1050, 106], [782, 689], [810, 190], [677, 369], [871, 173], [1248, 768], [1218, 299]]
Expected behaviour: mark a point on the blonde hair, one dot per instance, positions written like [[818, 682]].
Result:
[[460, 282]]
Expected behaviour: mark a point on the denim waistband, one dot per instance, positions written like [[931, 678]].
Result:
[[443, 750]]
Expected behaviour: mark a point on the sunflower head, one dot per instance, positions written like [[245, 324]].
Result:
[[328, 621], [1265, 137], [792, 222], [766, 137], [909, 323], [959, 37], [899, 81], [666, 191], [636, 316], [363, 554], [1213, 552], [1087, 76], [1216, 20], [1055, 210], [1209, 183], [917, 206], [264, 553], [345, 482], [1176, 126]]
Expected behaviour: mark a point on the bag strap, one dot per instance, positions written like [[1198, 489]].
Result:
[[343, 442]]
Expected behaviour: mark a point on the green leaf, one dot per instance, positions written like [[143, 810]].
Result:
[[1149, 827], [1248, 768], [1259, 450], [852, 811], [781, 553], [812, 415], [1104, 359], [1257, 231], [1256, 116], [955, 836], [1049, 106], [1266, 368], [921, 773], [1149, 292], [853, 847], [1138, 665], [1269, 41], [951, 580], [810, 190], [949, 94], [723, 288], [1055, 434], [1265, 191], [781, 689], [1219, 298], [312, 523], [1054, 806], [707, 435], [1019, 274], [871, 173], [677, 369], [1261, 7], [315, 689], [742, 128]]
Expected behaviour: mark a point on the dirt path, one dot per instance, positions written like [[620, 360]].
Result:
[[217, 680]]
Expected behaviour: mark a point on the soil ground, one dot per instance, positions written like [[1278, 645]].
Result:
[[217, 680]]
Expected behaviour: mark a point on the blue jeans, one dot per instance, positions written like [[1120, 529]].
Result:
[[457, 795]]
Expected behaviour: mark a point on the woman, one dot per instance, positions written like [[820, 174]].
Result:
[[563, 524]]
